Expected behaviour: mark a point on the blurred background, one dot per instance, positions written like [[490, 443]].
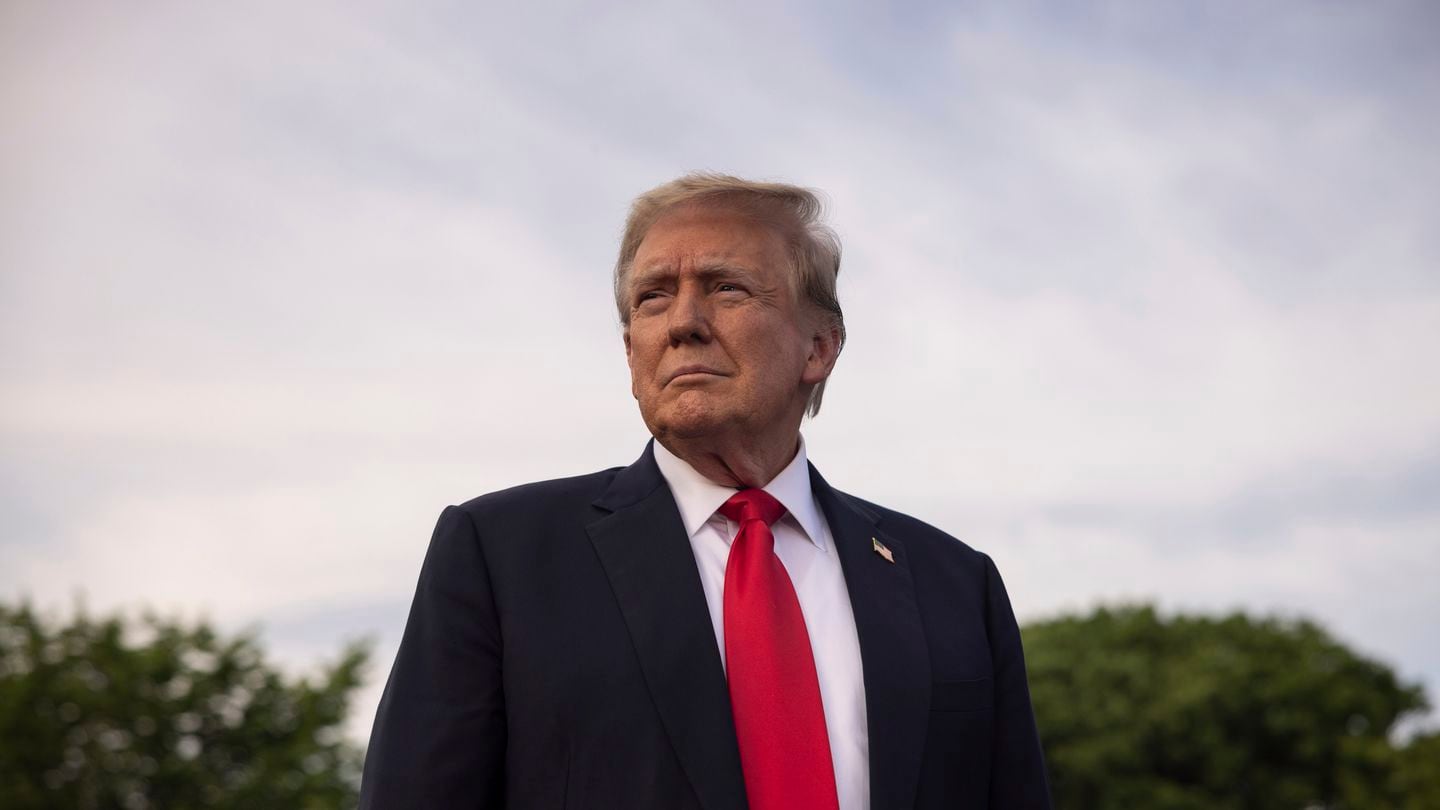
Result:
[[1143, 298]]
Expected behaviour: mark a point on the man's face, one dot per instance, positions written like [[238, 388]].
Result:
[[716, 341]]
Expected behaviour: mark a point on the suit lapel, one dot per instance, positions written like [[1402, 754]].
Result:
[[893, 652], [643, 548]]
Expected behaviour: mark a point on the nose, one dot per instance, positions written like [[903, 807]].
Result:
[[689, 317]]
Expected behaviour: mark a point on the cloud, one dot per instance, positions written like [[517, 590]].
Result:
[[1141, 302]]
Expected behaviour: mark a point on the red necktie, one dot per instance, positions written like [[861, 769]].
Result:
[[774, 693]]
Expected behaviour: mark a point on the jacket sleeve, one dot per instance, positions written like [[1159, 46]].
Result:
[[1017, 779], [439, 735]]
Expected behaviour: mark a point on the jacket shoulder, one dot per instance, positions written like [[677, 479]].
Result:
[[556, 493], [912, 531]]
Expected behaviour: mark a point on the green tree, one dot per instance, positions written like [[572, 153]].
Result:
[[1415, 778], [102, 713], [1141, 711]]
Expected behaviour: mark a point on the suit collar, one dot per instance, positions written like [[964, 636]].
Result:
[[893, 652], [634, 483], [642, 546]]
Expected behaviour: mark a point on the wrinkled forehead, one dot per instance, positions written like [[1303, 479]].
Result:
[[712, 234]]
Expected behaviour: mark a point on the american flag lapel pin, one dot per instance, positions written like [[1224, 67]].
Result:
[[882, 550]]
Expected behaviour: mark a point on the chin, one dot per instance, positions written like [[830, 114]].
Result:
[[691, 426], [688, 419], [689, 430]]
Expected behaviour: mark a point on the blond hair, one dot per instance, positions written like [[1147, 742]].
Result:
[[795, 211]]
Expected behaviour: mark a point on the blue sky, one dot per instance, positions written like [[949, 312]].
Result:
[[1144, 299]]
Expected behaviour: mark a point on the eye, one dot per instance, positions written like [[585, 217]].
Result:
[[647, 299], [726, 287]]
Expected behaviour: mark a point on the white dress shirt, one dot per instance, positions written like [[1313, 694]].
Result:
[[806, 549]]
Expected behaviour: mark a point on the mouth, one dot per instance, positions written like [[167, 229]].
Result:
[[692, 372]]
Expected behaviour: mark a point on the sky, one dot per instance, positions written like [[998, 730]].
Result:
[[1143, 299]]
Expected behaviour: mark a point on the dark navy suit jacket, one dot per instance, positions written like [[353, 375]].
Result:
[[559, 654]]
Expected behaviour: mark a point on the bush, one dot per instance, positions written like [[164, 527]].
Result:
[[152, 713], [1234, 713]]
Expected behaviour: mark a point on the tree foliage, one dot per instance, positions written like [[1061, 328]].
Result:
[[1136, 710], [153, 713], [1234, 713]]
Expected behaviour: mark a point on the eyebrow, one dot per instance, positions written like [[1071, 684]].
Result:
[[707, 271]]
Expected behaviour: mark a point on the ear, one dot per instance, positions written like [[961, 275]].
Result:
[[825, 345], [630, 361]]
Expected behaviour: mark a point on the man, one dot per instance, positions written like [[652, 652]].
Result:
[[714, 626]]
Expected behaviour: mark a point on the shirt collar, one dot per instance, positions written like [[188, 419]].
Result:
[[699, 498]]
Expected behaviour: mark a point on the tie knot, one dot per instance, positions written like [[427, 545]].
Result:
[[752, 504]]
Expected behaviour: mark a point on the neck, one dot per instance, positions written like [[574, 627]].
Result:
[[736, 464]]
